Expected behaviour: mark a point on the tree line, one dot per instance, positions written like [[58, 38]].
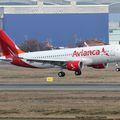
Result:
[[35, 45]]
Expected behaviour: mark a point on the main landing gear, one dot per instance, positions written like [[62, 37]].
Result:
[[78, 72], [62, 74], [117, 69]]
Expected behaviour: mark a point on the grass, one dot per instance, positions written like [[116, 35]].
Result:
[[60, 104]]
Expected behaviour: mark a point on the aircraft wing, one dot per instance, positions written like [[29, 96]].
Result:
[[61, 63], [53, 62]]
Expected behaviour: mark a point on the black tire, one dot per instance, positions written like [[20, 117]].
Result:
[[117, 69], [78, 72], [61, 74]]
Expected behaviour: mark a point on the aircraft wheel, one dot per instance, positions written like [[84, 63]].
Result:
[[78, 72], [117, 69], [61, 74]]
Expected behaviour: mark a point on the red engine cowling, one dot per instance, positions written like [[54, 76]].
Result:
[[99, 66], [74, 65]]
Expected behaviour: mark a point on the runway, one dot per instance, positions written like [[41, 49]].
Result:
[[65, 87]]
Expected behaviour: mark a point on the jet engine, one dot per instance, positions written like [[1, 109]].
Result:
[[74, 65], [99, 66]]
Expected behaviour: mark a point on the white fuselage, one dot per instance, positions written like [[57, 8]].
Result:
[[87, 55]]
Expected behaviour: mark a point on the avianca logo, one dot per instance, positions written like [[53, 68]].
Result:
[[89, 53], [105, 53], [72, 66]]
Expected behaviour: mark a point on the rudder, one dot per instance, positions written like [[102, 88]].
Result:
[[8, 47]]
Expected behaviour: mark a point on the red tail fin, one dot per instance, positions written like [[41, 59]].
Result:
[[8, 47]]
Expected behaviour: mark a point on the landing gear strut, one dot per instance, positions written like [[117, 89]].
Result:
[[61, 74], [78, 72]]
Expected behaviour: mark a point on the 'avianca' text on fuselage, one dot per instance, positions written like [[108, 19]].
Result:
[[89, 52], [85, 53]]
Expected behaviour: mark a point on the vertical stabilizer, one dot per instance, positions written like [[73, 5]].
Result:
[[8, 47]]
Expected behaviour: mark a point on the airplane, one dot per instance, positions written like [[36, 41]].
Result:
[[73, 59]]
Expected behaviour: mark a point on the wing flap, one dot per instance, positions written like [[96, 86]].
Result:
[[53, 62]]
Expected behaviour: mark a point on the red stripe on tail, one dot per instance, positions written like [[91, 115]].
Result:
[[8, 47]]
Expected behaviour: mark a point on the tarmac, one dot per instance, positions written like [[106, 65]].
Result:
[[65, 87]]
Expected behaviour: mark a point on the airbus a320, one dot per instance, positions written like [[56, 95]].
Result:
[[73, 59]]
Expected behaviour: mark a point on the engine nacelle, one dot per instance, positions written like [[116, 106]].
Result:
[[74, 65], [99, 66]]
